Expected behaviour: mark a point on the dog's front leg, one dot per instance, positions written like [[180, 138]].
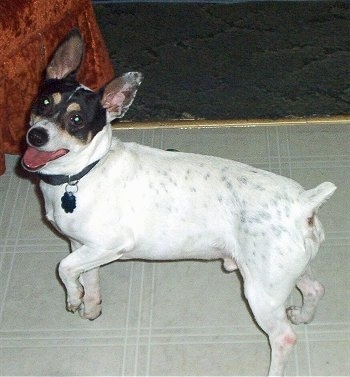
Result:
[[90, 280], [91, 305], [82, 265]]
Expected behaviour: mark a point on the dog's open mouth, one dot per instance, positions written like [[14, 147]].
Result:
[[34, 160]]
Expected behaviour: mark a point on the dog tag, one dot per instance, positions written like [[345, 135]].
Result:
[[68, 202]]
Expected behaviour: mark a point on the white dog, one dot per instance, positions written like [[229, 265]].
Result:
[[117, 200]]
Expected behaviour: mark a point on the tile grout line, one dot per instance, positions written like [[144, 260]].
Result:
[[149, 343], [157, 343], [138, 331], [5, 244], [6, 197], [186, 340], [148, 366], [289, 159], [320, 157], [2, 305], [127, 319], [125, 352], [268, 151], [139, 318], [171, 332], [161, 139], [2, 218], [287, 140], [308, 353], [278, 151]]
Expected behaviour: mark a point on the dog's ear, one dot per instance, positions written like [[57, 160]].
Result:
[[67, 57], [119, 94]]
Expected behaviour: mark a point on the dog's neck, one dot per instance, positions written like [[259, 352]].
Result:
[[60, 179]]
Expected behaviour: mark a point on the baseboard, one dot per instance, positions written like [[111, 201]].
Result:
[[223, 123]]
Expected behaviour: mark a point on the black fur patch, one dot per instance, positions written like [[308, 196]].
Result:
[[83, 124]]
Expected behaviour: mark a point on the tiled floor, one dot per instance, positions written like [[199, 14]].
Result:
[[179, 318]]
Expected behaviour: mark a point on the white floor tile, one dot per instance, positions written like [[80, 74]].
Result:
[[61, 361], [330, 358]]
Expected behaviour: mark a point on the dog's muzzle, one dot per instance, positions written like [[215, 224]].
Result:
[[34, 159]]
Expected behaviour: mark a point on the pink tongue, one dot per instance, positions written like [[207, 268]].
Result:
[[34, 159]]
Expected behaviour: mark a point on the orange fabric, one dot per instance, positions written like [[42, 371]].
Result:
[[30, 32]]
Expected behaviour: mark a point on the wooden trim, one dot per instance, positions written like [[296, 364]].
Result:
[[223, 123]]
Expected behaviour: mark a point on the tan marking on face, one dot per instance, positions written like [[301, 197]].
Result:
[[73, 107], [57, 97], [34, 119], [89, 138]]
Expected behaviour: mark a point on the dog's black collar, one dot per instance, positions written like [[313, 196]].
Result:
[[60, 179]]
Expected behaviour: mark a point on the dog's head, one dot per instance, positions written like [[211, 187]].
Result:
[[69, 123]]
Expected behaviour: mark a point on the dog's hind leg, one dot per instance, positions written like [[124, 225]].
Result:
[[91, 305], [271, 316], [312, 291]]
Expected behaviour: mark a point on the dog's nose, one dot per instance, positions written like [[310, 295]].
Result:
[[37, 137]]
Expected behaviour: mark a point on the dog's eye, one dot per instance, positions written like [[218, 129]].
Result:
[[44, 105], [76, 120], [46, 101]]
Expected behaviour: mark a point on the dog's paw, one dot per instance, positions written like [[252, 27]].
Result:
[[74, 303], [90, 312], [296, 315], [229, 265], [73, 307]]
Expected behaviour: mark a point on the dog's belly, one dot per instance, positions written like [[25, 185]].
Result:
[[182, 250], [189, 241]]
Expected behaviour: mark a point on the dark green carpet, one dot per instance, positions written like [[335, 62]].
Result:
[[250, 60]]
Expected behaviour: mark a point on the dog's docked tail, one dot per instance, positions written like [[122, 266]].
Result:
[[314, 198]]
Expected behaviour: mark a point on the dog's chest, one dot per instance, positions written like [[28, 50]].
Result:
[[90, 215], [53, 207]]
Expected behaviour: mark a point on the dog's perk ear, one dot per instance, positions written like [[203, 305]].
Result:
[[119, 94], [67, 57]]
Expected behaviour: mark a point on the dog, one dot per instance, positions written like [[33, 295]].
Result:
[[116, 200]]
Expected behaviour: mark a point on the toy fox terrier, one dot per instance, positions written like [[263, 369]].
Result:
[[116, 200]]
